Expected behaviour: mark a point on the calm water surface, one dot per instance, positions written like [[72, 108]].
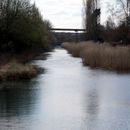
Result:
[[67, 97]]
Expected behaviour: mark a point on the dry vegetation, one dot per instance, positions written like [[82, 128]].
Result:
[[101, 55], [17, 71]]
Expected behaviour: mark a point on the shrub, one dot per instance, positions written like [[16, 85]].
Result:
[[22, 26]]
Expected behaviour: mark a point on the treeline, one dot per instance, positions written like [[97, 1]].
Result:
[[115, 29], [22, 27], [61, 37], [119, 34]]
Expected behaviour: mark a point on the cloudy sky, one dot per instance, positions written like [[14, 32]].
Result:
[[67, 13]]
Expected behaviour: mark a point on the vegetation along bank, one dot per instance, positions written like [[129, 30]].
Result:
[[101, 55], [23, 35]]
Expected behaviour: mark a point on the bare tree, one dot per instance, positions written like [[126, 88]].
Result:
[[125, 6]]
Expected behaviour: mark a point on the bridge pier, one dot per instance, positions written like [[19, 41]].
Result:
[[76, 36]]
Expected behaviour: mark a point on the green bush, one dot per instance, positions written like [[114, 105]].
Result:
[[22, 26]]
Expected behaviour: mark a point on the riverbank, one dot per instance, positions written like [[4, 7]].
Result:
[[101, 55], [15, 67], [17, 71]]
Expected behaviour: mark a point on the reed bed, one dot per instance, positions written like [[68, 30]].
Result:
[[101, 55], [17, 71]]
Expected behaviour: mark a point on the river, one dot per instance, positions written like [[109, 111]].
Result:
[[68, 96]]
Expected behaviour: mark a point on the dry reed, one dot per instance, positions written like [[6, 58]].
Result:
[[17, 71], [101, 55]]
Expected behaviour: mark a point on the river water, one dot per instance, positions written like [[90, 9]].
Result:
[[68, 96]]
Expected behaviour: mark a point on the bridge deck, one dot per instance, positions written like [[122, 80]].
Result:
[[68, 29]]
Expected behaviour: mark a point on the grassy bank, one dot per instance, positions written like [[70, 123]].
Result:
[[15, 67], [101, 55], [17, 71]]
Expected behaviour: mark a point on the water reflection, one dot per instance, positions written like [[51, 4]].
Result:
[[17, 99], [92, 103], [68, 96]]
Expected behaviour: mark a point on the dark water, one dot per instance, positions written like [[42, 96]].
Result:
[[67, 97]]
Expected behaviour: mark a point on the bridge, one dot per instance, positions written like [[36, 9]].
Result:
[[76, 30], [68, 29]]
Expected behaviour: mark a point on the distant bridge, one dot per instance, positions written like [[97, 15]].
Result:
[[68, 29], [76, 30]]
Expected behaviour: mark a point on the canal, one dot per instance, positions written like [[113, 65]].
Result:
[[67, 96]]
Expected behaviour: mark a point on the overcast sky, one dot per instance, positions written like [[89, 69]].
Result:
[[67, 13]]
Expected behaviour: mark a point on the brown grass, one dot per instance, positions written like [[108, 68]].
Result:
[[17, 71], [101, 55]]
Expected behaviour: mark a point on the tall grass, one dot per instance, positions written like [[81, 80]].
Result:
[[101, 55], [17, 71]]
